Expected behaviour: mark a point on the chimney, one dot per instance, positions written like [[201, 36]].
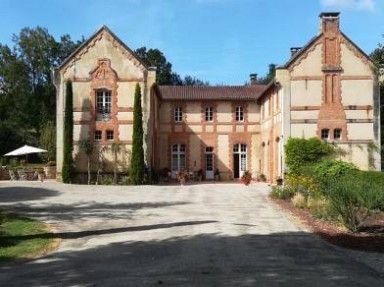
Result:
[[329, 22], [294, 50], [253, 79]]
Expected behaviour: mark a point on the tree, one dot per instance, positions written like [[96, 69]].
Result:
[[193, 81], [377, 57], [48, 140], [87, 147], [270, 75], [67, 169], [165, 75], [27, 95], [137, 159]]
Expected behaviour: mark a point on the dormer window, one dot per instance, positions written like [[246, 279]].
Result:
[[103, 105]]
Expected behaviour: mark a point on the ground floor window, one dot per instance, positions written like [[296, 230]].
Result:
[[178, 157]]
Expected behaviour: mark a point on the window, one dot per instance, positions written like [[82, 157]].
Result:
[[208, 114], [324, 134], [103, 105], [109, 135], [97, 135], [239, 114], [337, 134], [178, 114], [178, 157]]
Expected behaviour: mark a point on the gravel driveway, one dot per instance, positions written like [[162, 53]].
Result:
[[193, 235]]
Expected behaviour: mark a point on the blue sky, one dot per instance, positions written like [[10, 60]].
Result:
[[220, 41]]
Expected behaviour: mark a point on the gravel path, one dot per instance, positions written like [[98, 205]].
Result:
[[193, 235]]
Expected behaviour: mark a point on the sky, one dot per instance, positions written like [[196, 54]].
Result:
[[220, 41]]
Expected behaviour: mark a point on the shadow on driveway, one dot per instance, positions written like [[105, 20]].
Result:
[[17, 194], [279, 259]]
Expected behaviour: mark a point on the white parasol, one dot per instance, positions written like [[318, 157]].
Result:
[[25, 150]]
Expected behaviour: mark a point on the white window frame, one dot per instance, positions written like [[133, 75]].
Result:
[[98, 135], [239, 114], [107, 135], [178, 114], [339, 131], [209, 114], [103, 104], [323, 131], [178, 157]]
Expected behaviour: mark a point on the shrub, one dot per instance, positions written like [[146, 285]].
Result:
[[299, 200], [301, 152], [344, 204], [330, 170], [106, 180], [316, 204], [302, 184], [279, 192]]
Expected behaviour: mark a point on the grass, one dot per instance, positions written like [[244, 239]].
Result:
[[22, 238]]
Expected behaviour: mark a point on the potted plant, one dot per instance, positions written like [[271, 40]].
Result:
[[50, 170], [166, 174], [182, 176], [279, 181], [262, 177], [217, 174], [200, 174], [246, 177]]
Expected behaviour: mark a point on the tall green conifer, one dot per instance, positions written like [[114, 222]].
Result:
[[67, 170], [137, 160]]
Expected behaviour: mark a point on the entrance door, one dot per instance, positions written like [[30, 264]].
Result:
[[209, 173], [178, 159], [239, 159]]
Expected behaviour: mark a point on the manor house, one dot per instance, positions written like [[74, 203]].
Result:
[[327, 89]]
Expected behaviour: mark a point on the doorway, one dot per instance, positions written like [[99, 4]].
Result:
[[239, 160], [209, 164]]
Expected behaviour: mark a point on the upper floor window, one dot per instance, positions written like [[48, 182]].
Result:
[[103, 105], [337, 134], [97, 136], [239, 114], [178, 116], [324, 134], [208, 114]]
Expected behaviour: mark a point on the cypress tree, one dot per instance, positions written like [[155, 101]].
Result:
[[67, 169], [137, 160]]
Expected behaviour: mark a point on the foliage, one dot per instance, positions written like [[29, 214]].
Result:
[[27, 94], [328, 170], [246, 177], [270, 76], [137, 159], [299, 200], [17, 240], [302, 184], [165, 75], [279, 192], [87, 147], [301, 152], [106, 180], [116, 148], [67, 169], [48, 141]]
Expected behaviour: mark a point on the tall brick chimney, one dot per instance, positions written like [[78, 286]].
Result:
[[329, 22], [253, 79]]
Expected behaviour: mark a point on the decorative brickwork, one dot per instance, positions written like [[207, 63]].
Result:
[[104, 77]]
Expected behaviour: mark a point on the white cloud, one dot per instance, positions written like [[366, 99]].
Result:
[[369, 5]]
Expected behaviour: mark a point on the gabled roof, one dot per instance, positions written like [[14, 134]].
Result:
[[312, 42], [103, 28], [239, 93]]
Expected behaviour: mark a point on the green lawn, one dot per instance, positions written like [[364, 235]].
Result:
[[22, 237]]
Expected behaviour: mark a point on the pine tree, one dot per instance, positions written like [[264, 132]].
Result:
[[137, 160], [67, 169]]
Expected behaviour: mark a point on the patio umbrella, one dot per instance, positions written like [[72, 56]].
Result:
[[25, 150]]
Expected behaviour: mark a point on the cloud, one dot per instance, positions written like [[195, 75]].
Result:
[[368, 5]]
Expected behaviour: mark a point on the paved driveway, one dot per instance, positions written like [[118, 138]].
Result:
[[194, 235]]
